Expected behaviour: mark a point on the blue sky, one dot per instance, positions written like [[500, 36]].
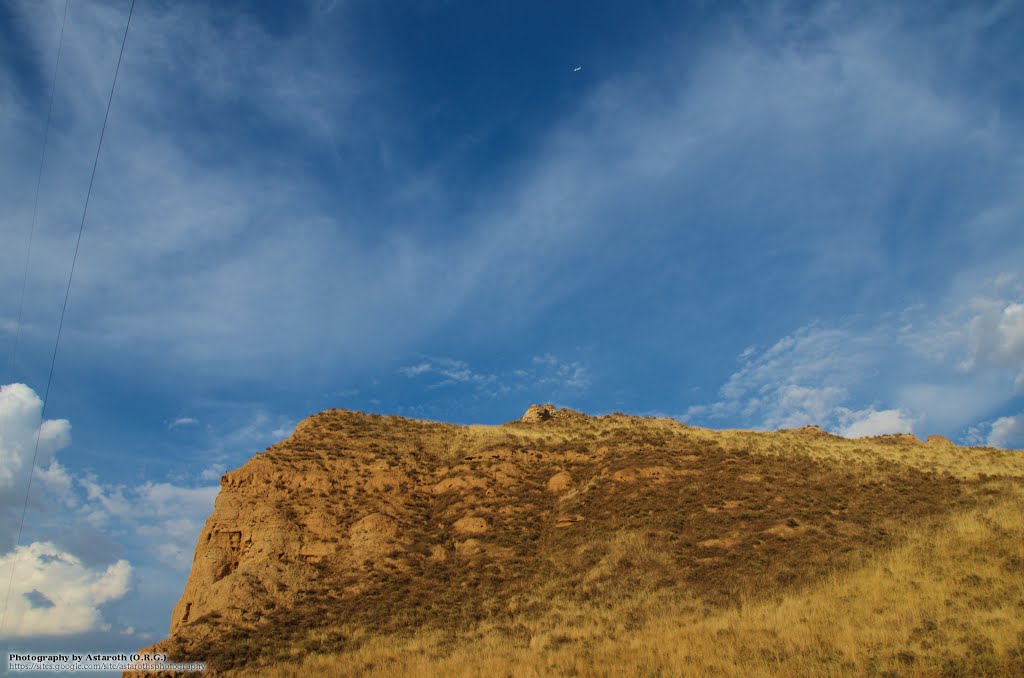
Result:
[[740, 215]]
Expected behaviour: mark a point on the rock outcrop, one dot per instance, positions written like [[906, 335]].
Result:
[[536, 414]]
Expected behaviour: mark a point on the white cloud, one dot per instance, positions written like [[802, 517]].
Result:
[[1007, 432], [546, 373], [282, 432], [183, 421], [166, 500], [453, 371], [58, 481], [674, 136], [572, 375], [876, 422], [249, 289], [416, 370], [54, 593], [104, 503], [212, 472], [20, 412], [802, 379], [996, 337], [169, 517], [936, 368], [173, 516], [253, 426]]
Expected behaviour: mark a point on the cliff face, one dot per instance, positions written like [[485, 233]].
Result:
[[361, 524]]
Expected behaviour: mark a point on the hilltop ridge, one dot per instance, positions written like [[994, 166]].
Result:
[[361, 526]]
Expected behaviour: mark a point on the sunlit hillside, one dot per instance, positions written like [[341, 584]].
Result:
[[572, 545]]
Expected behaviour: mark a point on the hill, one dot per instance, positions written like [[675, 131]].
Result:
[[569, 544]]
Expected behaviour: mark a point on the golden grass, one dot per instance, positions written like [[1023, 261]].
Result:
[[948, 601], [676, 551], [967, 463]]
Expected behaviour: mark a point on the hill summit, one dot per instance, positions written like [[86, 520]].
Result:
[[536, 533]]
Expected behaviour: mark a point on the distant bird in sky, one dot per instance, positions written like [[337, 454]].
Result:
[[578, 68]]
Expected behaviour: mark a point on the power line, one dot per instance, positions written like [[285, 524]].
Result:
[[63, 310], [35, 203]]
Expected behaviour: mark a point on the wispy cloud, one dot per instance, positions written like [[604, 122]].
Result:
[[684, 133], [452, 372], [163, 517], [544, 372], [206, 242], [416, 370], [566, 374]]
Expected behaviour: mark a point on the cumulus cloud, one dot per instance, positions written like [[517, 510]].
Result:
[[58, 481], [20, 427], [944, 368], [1007, 432], [876, 422], [54, 593], [996, 337], [802, 379]]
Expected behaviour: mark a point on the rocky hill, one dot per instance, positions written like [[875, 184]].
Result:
[[361, 527]]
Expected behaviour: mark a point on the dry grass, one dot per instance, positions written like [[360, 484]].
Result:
[[675, 551], [947, 601], [962, 462]]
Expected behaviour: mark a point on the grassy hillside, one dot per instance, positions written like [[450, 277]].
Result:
[[618, 545]]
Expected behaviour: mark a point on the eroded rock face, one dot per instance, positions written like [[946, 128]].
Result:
[[241, 540], [274, 523]]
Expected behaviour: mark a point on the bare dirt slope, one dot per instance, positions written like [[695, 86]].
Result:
[[360, 527]]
